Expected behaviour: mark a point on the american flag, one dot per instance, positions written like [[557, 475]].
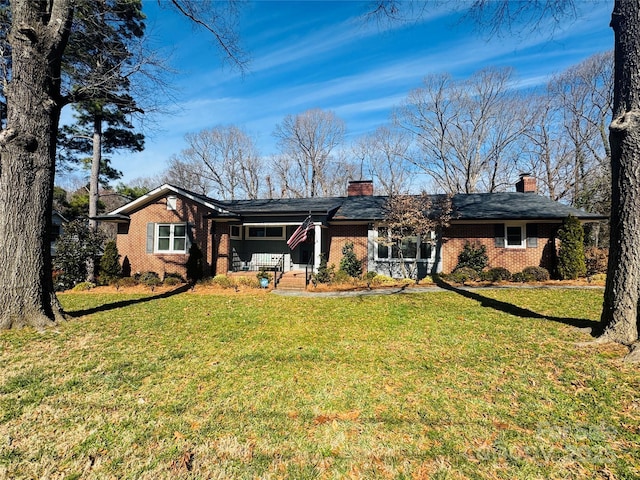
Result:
[[300, 235]]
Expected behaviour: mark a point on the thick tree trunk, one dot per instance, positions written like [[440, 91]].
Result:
[[620, 310], [27, 159]]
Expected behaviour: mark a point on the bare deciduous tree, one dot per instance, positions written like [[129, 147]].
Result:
[[308, 162], [187, 173], [411, 220], [467, 130], [567, 146], [226, 160], [384, 155]]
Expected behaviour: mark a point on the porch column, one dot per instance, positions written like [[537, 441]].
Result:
[[317, 246]]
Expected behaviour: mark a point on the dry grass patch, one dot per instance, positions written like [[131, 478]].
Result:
[[418, 385]]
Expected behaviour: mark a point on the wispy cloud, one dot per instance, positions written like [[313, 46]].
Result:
[[324, 55]]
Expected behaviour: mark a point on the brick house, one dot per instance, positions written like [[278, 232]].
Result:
[[155, 231]]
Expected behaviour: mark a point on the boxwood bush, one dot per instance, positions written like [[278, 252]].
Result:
[[496, 274]]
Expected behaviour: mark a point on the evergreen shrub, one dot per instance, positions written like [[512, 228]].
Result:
[[463, 275], [150, 279], [324, 273], [473, 256], [571, 259], [496, 274], [536, 274], [349, 262], [110, 268]]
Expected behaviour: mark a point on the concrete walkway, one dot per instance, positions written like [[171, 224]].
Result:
[[422, 289]]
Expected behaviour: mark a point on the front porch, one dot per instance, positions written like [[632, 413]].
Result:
[[263, 246]]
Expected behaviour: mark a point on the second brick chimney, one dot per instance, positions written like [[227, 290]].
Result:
[[526, 184], [358, 188]]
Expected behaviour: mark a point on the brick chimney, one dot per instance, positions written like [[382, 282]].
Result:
[[358, 188], [526, 184]]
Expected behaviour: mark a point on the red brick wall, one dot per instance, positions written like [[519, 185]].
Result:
[[222, 245], [339, 235], [513, 259], [132, 245]]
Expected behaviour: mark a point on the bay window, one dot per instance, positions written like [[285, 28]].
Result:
[[409, 248]]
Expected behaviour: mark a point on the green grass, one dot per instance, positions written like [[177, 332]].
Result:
[[429, 385]]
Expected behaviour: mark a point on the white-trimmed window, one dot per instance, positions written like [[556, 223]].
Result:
[[264, 233], [171, 238], [410, 248], [235, 232], [515, 235]]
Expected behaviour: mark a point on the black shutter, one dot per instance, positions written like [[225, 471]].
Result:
[[498, 236], [532, 235], [189, 235], [151, 228]]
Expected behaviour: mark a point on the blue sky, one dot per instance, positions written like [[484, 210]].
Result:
[[317, 54]]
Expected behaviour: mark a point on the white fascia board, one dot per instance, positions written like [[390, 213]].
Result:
[[160, 192]]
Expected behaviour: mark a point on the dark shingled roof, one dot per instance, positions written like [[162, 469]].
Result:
[[466, 207], [474, 206], [513, 206], [280, 206]]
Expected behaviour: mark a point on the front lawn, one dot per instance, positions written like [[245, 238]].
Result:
[[486, 384]]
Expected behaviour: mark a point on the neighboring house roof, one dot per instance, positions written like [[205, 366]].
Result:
[[57, 218], [465, 207]]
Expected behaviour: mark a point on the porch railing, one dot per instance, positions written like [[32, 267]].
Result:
[[278, 271], [255, 261]]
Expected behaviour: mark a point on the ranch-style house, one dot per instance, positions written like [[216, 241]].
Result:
[[155, 231]]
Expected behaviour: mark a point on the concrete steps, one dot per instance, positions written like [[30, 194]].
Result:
[[293, 280]]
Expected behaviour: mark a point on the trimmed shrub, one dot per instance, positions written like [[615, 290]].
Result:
[[341, 276], [369, 276], [264, 274], [248, 282], [150, 279], [571, 260], [522, 277], [496, 274], [125, 282], [382, 280], [536, 274], [171, 281], [349, 262], [222, 281], [473, 256], [462, 275], [175, 275], [324, 273], [83, 286]]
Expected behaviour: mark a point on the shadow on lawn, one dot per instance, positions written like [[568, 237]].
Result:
[[518, 311], [126, 303]]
